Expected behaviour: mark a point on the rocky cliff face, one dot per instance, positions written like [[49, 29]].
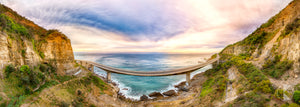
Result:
[[24, 43], [279, 36]]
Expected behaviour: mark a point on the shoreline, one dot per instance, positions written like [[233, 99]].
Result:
[[178, 87]]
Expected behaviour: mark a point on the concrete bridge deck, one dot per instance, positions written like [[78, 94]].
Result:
[[187, 70]]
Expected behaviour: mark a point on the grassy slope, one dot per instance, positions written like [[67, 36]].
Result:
[[20, 87]]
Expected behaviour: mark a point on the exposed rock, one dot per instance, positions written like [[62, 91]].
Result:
[[144, 98], [182, 84], [155, 94], [183, 88], [58, 49], [125, 89], [121, 96], [170, 93], [231, 92]]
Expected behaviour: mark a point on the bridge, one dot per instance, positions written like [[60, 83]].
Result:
[[187, 70]]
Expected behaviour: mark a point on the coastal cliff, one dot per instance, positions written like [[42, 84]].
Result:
[[24, 43]]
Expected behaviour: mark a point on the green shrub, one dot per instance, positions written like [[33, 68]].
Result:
[[98, 82], [42, 55], [291, 27], [25, 69], [270, 22], [296, 96], [43, 68], [23, 52], [277, 68], [279, 93], [251, 99], [290, 105], [264, 86], [8, 70], [9, 25]]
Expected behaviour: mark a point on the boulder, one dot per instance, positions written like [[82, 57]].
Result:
[[170, 93], [143, 98], [155, 94], [121, 96], [183, 89]]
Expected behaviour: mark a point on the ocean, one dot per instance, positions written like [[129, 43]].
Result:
[[135, 86]]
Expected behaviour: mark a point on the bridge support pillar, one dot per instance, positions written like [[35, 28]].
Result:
[[108, 77], [92, 68], [188, 78]]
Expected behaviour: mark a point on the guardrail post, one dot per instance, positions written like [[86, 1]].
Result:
[[188, 78], [108, 76]]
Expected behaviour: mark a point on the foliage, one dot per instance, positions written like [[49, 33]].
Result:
[[279, 93], [63, 78], [9, 69], [290, 105], [207, 87], [257, 80], [291, 27], [95, 80], [251, 99], [296, 96], [23, 52], [277, 68], [270, 22], [245, 56], [9, 25]]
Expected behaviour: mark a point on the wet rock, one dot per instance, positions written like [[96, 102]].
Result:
[[125, 89], [121, 96], [183, 89], [114, 84], [170, 93], [155, 94], [182, 84], [144, 98]]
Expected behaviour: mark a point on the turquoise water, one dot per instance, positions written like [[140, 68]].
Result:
[[136, 85]]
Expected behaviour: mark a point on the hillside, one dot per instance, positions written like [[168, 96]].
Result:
[[261, 70]]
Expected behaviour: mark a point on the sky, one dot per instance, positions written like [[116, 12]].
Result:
[[164, 26]]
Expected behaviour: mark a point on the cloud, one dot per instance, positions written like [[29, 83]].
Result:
[[150, 25]]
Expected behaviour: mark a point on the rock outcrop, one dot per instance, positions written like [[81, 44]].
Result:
[[170, 93], [155, 94], [279, 36], [24, 43]]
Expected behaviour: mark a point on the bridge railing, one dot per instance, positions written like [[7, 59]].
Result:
[[187, 70]]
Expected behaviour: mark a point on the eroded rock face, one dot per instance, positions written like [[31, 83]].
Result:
[[34, 45], [58, 51]]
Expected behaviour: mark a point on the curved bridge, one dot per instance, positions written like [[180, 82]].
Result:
[[187, 70]]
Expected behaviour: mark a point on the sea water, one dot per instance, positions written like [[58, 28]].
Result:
[[136, 86]]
